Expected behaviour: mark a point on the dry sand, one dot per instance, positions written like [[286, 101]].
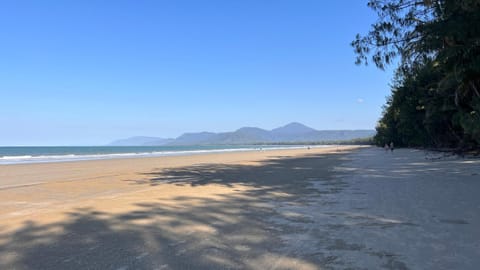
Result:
[[336, 208]]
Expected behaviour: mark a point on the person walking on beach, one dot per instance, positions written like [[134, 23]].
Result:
[[391, 146]]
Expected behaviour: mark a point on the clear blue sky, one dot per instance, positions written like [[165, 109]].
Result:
[[88, 72]]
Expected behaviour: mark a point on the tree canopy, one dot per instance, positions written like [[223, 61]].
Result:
[[435, 98]]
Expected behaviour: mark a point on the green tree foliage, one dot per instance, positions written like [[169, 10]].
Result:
[[435, 97]]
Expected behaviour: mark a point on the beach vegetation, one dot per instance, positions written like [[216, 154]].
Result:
[[435, 94]]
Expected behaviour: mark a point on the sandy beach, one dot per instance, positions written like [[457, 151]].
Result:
[[322, 208]]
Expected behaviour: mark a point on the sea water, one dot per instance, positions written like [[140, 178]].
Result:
[[41, 154]]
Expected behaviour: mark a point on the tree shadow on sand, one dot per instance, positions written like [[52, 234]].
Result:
[[277, 173], [189, 232]]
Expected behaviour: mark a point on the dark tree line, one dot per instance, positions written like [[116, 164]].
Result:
[[435, 100]]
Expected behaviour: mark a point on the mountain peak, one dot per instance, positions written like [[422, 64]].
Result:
[[296, 124], [293, 127]]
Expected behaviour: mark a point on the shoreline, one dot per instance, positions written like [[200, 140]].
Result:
[[30, 158], [24, 174], [29, 186]]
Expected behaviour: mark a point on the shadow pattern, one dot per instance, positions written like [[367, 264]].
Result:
[[233, 231]]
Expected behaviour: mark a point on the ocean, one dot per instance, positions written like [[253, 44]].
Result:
[[42, 154]]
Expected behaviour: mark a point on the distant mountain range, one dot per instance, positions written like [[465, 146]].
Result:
[[293, 133]]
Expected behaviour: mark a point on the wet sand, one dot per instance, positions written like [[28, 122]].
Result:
[[335, 208]]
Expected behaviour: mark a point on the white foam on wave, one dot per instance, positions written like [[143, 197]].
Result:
[[15, 157]]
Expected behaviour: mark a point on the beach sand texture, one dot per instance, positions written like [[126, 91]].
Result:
[[331, 208]]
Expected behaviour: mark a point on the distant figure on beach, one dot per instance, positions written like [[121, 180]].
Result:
[[391, 146], [386, 147]]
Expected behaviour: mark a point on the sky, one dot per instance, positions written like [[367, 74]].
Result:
[[89, 72]]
